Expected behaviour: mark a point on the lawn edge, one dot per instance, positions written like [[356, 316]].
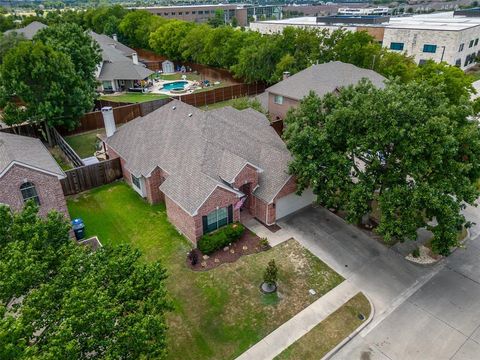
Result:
[[355, 332]]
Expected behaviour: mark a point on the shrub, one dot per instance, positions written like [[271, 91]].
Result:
[[416, 252], [209, 243], [271, 273]]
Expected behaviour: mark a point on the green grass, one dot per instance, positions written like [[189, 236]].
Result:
[[218, 313], [178, 76], [218, 105], [330, 332], [84, 144], [133, 97]]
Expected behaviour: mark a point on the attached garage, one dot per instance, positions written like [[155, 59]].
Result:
[[292, 202]]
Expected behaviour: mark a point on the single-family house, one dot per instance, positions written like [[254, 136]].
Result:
[[29, 31], [120, 68], [29, 172], [206, 166], [322, 79]]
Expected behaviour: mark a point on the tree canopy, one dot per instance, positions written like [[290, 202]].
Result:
[[408, 152], [52, 77], [60, 300]]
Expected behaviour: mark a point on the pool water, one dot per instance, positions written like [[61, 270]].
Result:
[[177, 85]]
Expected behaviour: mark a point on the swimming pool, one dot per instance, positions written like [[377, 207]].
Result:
[[176, 85]]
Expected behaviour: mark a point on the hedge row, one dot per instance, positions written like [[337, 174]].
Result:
[[228, 234]]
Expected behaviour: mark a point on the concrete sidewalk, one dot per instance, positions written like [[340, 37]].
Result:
[[285, 335]]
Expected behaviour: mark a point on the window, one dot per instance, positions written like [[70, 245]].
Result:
[[429, 48], [200, 12], [107, 85], [217, 218], [460, 48], [471, 43], [29, 192], [180, 13], [136, 182], [396, 46], [278, 99], [422, 62], [476, 42], [458, 63], [194, 12]]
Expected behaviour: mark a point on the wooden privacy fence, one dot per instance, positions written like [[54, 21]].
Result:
[[67, 149], [90, 176], [222, 94]]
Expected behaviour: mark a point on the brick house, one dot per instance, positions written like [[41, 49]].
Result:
[[321, 78], [29, 172], [206, 166]]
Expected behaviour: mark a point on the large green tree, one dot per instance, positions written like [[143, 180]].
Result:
[[60, 300], [9, 41], [407, 152]]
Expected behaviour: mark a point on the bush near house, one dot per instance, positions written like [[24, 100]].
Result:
[[228, 234]]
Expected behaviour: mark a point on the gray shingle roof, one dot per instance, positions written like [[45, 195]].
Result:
[[323, 79], [116, 63], [27, 151], [203, 150], [30, 30]]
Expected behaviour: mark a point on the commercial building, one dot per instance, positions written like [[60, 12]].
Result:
[[201, 13], [449, 37]]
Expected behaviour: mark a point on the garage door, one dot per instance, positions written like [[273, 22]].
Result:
[[291, 203]]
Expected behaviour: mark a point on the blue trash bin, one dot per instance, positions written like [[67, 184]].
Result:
[[78, 228]]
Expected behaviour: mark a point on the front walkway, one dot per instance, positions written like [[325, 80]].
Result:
[[274, 238], [285, 335]]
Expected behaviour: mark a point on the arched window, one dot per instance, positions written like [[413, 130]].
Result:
[[29, 192]]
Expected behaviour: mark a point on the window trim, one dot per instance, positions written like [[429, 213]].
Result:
[[138, 188], [460, 48], [25, 187]]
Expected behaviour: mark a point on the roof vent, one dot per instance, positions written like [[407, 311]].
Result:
[[190, 115], [174, 107]]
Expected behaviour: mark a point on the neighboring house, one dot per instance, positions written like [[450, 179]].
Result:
[[322, 79], [29, 172], [120, 68], [205, 166], [30, 30]]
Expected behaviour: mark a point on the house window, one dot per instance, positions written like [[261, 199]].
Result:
[[29, 192], [460, 48], [396, 46], [471, 43], [136, 182], [476, 42], [427, 48], [217, 218], [107, 86], [278, 99]]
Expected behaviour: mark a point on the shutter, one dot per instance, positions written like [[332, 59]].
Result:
[[230, 214], [205, 225]]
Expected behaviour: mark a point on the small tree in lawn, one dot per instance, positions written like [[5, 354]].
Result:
[[270, 277]]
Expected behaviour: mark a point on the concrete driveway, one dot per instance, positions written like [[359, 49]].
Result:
[[421, 312]]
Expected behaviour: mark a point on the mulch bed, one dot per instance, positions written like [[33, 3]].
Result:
[[249, 243]]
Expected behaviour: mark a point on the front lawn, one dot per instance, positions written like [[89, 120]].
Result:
[[218, 313], [330, 332], [84, 144]]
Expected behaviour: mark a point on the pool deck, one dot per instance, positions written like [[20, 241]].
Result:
[[157, 87]]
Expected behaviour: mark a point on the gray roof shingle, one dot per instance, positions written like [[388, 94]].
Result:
[[30, 30], [202, 150], [27, 151], [323, 79]]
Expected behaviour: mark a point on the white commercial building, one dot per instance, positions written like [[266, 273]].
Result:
[[437, 36]]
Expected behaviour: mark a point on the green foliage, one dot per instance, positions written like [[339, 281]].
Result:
[[270, 275], [136, 26], [408, 149], [245, 103], [166, 38], [6, 23], [416, 252], [67, 302], [9, 41], [228, 234], [218, 19]]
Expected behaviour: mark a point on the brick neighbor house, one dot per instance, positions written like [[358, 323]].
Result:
[[206, 166], [29, 172], [321, 78]]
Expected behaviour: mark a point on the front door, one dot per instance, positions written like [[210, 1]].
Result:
[[246, 189]]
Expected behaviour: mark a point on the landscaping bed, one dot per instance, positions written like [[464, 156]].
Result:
[[249, 243], [220, 313], [330, 332]]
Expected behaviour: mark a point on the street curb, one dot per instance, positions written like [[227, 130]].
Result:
[[353, 334]]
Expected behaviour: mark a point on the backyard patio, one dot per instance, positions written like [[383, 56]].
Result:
[[218, 313]]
